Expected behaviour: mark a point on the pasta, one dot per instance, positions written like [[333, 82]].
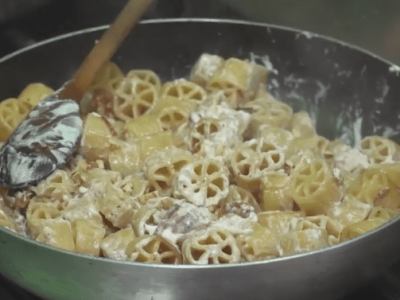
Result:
[[314, 188], [247, 78], [210, 170], [57, 233], [96, 137], [204, 68], [108, 77], [275, 192], [12, 112], [147, 76], [184, 91], [142, 126], [254, 158], [203, 182], [173, 113], [261, 244], [134, 98], [124, 157], [213, 247], [161, 167], [114, 245], [268, 111], [380, 150], [34, 93], [153, 249], [87, 236]]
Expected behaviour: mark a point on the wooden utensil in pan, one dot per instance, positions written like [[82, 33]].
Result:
[[49, 135]]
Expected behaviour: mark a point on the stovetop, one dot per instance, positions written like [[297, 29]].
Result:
[[59, 17]]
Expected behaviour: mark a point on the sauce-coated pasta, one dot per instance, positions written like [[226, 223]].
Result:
[[209, 170]]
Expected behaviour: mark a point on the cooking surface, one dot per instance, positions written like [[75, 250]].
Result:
[[59, 17]]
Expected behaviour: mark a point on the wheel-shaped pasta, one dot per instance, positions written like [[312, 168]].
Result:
[[212, 247], [356, 229], [134, 98], [277, 135], [12, 113], [304, 240], [203, 182], [114, 245], [204, 68], [302, 126], [145, 220], [275, 191], [267, 110], [173, 113], [147, 76], [153, 249], [214, 138], [109, 76], [184, 90], [162, 166], [254, 158], [380, 150], [144, 125], [369, 185], [34, 93], [261, 244], [238, 120], [314, 188], [203, 130]]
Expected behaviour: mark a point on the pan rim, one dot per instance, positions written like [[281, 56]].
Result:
[[323, 250]]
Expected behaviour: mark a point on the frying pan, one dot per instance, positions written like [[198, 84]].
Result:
[[348, 92]]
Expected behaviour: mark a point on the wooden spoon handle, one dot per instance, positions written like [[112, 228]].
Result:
[[104, 49]]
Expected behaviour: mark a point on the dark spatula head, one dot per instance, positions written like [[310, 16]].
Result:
[[42, 143]]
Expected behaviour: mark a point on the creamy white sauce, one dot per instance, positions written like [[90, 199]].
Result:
[[196, 192], [181, 221], [351, 159], [235, 224]]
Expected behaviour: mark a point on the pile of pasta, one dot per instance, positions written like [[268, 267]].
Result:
[[203, 171]]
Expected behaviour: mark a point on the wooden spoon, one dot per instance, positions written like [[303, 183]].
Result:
[[50, 134]]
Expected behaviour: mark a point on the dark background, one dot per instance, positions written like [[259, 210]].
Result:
[[371, 24]]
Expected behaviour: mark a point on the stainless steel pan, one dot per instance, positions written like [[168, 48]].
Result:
[[349, 92]]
